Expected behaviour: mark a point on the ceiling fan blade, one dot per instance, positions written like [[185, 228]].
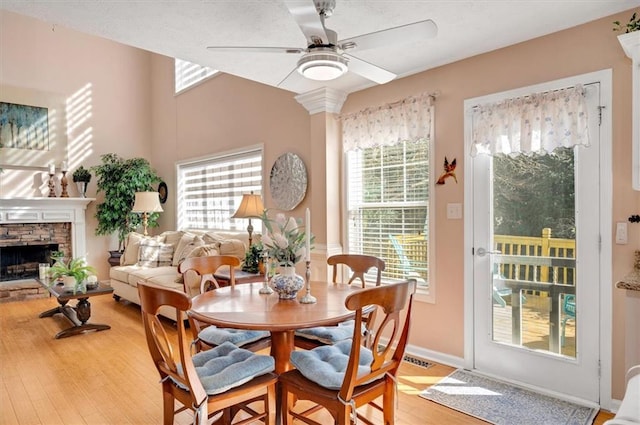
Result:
[[255, 49], [403, 34], [309, 21], [369, 71]]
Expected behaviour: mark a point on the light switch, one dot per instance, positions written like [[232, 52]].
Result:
[[454, 211], [621, 233]]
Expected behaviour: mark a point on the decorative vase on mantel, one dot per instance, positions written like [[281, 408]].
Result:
[[82, 189], [287, 283]]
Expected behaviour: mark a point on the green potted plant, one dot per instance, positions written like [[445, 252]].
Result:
[[73, 273], [119, 179], [631, 26], [81, 178], [253, 259], [630, 39], [57, 256]]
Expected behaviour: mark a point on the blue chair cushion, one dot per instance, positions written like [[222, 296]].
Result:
[[227, 366], [213, 335], [327, 365], [328, 334]]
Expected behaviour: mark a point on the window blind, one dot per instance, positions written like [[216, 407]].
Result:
[[388, 198], [210, 190]]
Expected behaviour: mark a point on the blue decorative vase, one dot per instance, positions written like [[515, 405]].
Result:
[[287, 283]]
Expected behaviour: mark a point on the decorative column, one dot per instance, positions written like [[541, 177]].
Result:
[[325, 172]]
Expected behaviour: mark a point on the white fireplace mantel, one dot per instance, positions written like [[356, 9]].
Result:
[[49, 210]]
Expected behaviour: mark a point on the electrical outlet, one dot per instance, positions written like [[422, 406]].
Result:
[[454, 211], [621, 233]]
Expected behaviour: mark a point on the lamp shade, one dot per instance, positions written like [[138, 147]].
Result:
[[147, 202], [250, 207]]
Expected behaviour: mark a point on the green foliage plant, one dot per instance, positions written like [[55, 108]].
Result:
[[82, 175], [77, 268], [119, 179], [631, 26], [252, 258]]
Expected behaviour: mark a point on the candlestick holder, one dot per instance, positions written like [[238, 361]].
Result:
[[64, 183], [52, 186], [266, 289], [308, 298]]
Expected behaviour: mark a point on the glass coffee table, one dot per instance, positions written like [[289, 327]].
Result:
[[80, 313]]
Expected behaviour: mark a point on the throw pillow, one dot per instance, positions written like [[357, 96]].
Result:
[[180, 253], [172, 237], [132, 247], [154, 254], [213, 238], [233, 247], [204, 251]]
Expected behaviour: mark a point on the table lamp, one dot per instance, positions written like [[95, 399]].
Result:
[[145, 203], [250, 207]]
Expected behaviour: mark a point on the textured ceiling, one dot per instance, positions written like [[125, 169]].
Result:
[[184, 29]]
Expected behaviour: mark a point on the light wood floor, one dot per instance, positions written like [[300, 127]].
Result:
[[107, 377]]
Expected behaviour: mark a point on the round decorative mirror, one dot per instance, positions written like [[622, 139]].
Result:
[[288, 181]]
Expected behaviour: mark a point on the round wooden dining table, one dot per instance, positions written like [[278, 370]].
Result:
[[243, 307]]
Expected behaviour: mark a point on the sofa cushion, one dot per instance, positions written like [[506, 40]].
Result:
[[132, 247], [204, 251], [187, 243], [172, 237], [154, 254], [167, 280], [234, 247], [152, 273]]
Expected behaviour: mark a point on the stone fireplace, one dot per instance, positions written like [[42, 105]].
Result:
[[30, 228]]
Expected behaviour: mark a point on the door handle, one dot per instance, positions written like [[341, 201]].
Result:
[[481, 252]]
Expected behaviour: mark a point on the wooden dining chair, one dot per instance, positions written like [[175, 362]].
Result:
[[345, 376], [358, 265], [225, 379], [198, 277]]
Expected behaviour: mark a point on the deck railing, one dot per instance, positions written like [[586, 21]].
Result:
[[530, 246]]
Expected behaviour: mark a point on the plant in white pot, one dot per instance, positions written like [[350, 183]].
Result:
[[73, 274], [82, 177], [630, 40]]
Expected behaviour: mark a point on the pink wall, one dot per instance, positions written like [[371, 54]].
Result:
[[39, 57], [579, 50], [222, 114]]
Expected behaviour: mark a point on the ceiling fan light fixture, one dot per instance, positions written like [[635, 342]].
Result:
[[322, 65]]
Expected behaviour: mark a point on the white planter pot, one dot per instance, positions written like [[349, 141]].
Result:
[[69, 283], [630, 43]]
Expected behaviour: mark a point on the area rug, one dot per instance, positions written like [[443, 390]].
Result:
[[504, 404]]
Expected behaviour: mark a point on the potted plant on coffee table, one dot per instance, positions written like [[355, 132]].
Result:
[[81, 178], [119, 179], [73, 274]]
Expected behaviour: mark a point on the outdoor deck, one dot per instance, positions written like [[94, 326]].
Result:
[[535, 326]]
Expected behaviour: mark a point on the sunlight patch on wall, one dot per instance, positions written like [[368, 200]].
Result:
[[79, 131]]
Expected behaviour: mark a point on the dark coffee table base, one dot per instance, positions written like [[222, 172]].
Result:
[[78, 315]]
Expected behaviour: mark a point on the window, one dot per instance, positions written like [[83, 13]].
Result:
[[188, 74], [388, 207], [210, 189]]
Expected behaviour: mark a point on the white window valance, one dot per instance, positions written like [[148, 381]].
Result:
[[407, 120], [540, 122]]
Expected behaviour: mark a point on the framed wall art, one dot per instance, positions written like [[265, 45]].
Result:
[[32, 128]]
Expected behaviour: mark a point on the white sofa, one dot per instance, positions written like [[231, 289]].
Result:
[[629, 411], [156, 259]]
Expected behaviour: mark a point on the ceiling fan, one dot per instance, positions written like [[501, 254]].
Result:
[[325, 57]]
